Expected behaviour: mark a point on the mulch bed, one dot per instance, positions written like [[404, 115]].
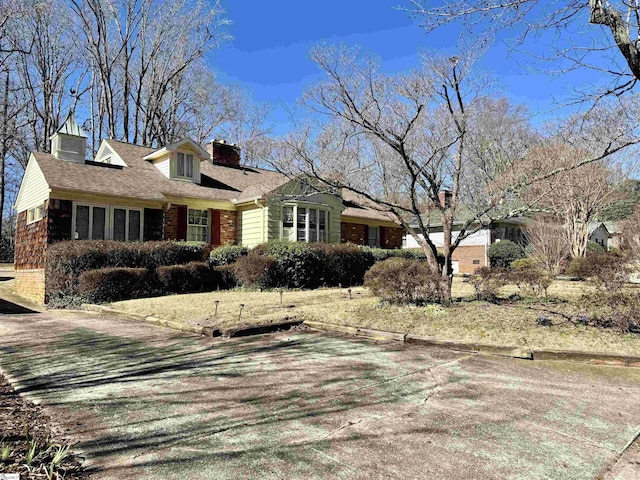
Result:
[[23, 425]]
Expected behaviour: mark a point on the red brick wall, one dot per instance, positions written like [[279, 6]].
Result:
[[170, 223], [392, 237], [353, 233], [466, 255], [31, 242], [228, 225], [224, 153]]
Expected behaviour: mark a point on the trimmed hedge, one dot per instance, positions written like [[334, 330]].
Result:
[[344, 264], [66, 261], [113, 284], [255, 271], [227, 254], [192, 277]]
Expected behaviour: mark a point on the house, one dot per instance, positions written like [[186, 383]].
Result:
[[472, 252], [599, 233], [180, 192]]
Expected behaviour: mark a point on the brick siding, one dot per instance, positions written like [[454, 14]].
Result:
[[170, 223], [466, 255], [228, 225], [393, 237], [353, 233]]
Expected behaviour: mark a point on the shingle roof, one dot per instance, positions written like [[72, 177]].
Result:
[[141, 179]]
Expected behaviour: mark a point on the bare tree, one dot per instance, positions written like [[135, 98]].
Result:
[[574, 196], [548, 245], [602, 49], [397, 141]]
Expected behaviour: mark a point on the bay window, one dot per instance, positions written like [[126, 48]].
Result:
[[198, 226], [311, 224]]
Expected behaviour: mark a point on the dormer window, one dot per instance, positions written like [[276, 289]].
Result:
[[184, 167]]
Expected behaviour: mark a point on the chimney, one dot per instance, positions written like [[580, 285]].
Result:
[[223, 152], [69, 143], [445, 198]]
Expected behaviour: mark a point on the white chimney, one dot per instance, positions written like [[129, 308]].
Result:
[[69, 143]]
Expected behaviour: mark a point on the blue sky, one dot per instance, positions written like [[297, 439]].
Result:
[[269, 54]]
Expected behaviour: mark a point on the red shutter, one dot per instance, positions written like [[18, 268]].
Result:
[[383, 239], [182, 223], [215, 227]]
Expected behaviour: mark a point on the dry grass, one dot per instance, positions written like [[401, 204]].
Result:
[[468, 320]]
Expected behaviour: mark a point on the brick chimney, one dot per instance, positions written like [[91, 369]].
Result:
[[445, 198], [223, 152]]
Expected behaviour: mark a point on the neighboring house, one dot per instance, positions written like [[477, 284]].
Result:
[[599, 233], [615, 234], [178, 192], [472, 252]]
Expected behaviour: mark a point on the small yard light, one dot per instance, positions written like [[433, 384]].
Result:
[[216, 302], [281, 292], [350, 297], [240, 314]]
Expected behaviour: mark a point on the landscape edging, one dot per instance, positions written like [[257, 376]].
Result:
[[383, 335]]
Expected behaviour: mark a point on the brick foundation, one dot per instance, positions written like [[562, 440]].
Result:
[[466, 255], [30, 284], [228, 225], [353, 233]]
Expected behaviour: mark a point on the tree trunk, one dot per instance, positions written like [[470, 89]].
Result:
[[4, 144]]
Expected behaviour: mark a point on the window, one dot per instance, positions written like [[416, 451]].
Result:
[[198, 226], [127, 224], [35, 214], [476, 262], [374, 237], [184, 167], [90, 222], [311, 224]]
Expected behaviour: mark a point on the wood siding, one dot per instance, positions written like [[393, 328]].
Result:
[[34, 189]]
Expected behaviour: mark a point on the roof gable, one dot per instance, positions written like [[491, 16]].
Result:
[[174, 146]]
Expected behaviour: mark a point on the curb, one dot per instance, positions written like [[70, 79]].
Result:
[[241, 331], [595, 358], [610, 359]]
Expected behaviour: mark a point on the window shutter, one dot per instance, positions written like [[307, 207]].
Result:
[[182, 223], [215, 227], [366, 235]]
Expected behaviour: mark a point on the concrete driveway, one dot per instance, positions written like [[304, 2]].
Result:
[[149, 403]]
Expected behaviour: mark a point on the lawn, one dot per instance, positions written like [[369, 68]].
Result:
[[512, 323]]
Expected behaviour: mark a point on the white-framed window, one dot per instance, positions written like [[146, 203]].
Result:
[[35, 214], [90, 222], [198, 226], [374, 237], [126, 224], [184, 165], [107, 222], [309, 224]]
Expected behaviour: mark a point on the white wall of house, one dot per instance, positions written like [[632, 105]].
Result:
[[34, 189], [482, 237]]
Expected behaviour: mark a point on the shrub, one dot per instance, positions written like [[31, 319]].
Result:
[[113, 284], [227, 254], [380, 254], [192, 277], [343, 264], [530, 279], [67, 260], [487, 282], [616, 310], [595, 247], [608, 271], [297, 265], [401, 281], [255, 271], [503, 254]]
